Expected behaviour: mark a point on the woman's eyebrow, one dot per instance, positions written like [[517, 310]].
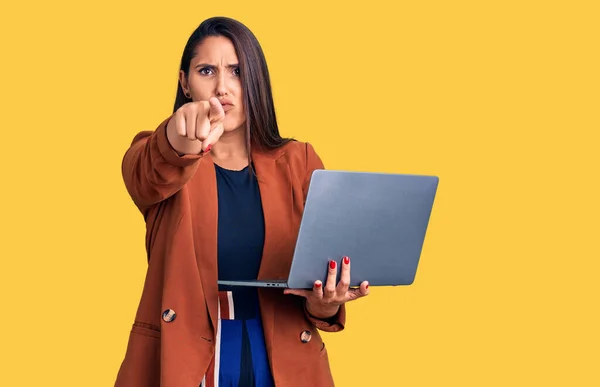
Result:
[[233, 65]]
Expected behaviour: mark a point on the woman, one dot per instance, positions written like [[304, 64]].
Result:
[[222, 194]]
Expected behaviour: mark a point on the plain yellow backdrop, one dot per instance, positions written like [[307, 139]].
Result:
[[499, 99]]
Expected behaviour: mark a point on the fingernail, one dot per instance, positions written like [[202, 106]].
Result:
[[346, 260], [366, 287], [332, 265], [318, 284], [208, 148]]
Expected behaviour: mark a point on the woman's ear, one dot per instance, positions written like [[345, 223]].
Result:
[[184, 83]]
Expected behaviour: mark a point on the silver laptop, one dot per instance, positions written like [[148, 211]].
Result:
[[379, 220]]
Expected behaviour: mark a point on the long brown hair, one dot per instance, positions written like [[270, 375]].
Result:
[[261, 123]]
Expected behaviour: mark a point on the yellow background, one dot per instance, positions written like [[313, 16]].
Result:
[[499, 99]]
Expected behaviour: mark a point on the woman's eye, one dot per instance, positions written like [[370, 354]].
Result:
[[205, 71], [237, 71]]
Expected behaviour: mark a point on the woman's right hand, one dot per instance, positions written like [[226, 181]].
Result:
[[196, 126]]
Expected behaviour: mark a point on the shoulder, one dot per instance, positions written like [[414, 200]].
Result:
[[302, 159], [301, 154]]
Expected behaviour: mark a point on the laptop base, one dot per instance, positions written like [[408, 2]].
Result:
[[256, 283]]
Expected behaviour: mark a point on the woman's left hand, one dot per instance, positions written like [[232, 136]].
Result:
[[325, 302]]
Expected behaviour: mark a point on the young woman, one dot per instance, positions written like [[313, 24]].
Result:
[[222, 194]]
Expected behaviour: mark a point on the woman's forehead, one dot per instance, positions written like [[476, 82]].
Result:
[[216, 50]]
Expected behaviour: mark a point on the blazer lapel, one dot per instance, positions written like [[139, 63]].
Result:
[[275, 186], [275, 183], [205, 209]]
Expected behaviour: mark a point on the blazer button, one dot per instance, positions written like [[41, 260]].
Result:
[[169, 315], [305, 336]]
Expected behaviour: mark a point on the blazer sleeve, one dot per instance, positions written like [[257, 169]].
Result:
[[335, 323], [152, 169]]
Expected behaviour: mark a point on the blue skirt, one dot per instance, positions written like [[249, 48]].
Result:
[[241, 358]]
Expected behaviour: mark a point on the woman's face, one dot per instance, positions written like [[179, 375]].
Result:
[[214, 72]]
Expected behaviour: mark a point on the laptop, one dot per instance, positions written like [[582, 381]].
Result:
[[379, 220]]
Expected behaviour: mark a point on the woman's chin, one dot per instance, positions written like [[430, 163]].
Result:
[[229, 127]]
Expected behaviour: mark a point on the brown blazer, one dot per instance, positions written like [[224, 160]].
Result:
[[178, 199]]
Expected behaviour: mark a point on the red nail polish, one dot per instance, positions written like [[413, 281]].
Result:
[[346, 260], [208, 148], [318, 285], [366, 287], [332, 265]]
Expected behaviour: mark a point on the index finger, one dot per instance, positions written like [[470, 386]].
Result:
[[213, 137], [330, 282], [216, 110]]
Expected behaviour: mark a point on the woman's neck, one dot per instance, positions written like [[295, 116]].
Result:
[[230, 151]]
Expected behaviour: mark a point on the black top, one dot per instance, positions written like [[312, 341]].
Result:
[[241, 228], [241, 233]]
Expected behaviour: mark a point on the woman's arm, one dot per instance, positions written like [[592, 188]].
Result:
[[153, 170], [160, 163], [335, 323]]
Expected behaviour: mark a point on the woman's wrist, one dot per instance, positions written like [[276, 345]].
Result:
[[322, 313]]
